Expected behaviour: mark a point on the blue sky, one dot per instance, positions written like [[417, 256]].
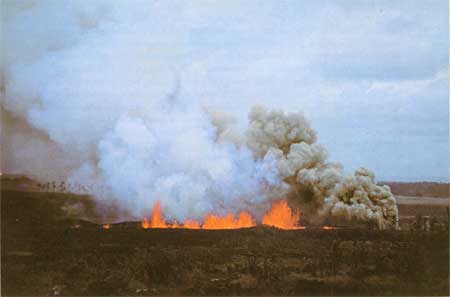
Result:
[[372, 76]]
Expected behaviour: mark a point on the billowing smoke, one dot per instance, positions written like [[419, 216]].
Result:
[[318, 187], [103, 95]]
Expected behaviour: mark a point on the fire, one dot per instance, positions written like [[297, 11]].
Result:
[[157, 220], [191, 224], [106, 226], [328, 228], [175, 225], [244, 220], [146, 224], [282, 216], [157, 217]]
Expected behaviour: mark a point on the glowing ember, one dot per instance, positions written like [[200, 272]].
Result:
[[244, 220], [328, 228], [282, 216], [106, 226]]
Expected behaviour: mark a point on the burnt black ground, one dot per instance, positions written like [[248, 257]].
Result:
[[44, 254]]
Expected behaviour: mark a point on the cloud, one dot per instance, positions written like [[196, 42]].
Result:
[[406, 87]]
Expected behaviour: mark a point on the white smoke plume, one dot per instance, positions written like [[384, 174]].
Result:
[[102, 94]]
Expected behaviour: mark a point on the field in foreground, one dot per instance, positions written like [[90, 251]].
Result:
[[45, 254], [256, 261]]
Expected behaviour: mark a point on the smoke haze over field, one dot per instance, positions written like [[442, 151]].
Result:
[[153, 100]]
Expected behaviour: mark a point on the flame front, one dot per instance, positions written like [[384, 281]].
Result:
[[146, 224], [280, 216], [157, 217], [157, 220], [191, 224], [244, 220]]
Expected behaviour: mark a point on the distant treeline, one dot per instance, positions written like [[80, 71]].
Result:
[[422, 189]]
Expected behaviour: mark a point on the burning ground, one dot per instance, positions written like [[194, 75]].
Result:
[[173, 179], [280, 216], [46, 253], [212, 172]]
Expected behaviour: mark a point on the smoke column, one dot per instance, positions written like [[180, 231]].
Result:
[[101, 94], [318, 187]]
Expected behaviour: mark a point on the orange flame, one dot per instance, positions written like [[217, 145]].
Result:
[[146, 224], [282, 216], [175, 225], [158, 221], [106, 226], [191, 224], [157, 218], [244, 220]]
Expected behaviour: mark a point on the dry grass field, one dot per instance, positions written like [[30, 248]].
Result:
[[422, 206], [46, 253]]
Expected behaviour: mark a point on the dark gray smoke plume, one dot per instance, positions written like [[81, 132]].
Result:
[[319, 187]]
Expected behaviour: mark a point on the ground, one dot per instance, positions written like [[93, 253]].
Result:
[[45, 253]]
